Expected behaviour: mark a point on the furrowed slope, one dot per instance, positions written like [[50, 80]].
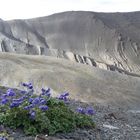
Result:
[[106, 40], [84, 83]]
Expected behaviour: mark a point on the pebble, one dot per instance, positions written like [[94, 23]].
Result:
[[110, 126], [134, 111]]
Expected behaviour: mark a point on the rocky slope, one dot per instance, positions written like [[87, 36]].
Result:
[[106, 40]]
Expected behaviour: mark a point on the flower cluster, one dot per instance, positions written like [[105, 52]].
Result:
[[37, 113], [26, 99], [64, 96], [28, 85], [13, 100], [46, 92], [88, 110]]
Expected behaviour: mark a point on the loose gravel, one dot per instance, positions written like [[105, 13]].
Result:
[[112, 123]]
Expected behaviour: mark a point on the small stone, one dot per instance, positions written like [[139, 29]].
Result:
[[110, 126], [134, 111]]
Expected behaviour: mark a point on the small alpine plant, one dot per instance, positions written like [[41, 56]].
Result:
[[41, 113]]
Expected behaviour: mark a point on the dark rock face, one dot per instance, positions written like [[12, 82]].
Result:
[[106, 40]]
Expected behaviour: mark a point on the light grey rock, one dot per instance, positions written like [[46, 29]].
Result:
[[134, 111], [110, 126]]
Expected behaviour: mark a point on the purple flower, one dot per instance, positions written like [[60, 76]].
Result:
[[24, 84], [3, 96], [30, 100], [90, 111], [24, 97], [63, 96], [4, 101], [23, 92], [43, 107], [36, 100], [28, 85], [46, 92], [18, 100], [43, 90], [14, 104], [26, 108], [10, 92], [81, 110], [42, 101], [66, 94], [29, 107]]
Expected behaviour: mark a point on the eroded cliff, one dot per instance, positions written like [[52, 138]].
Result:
[[106, 40]]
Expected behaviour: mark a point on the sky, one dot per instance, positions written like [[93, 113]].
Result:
[[24, 9]]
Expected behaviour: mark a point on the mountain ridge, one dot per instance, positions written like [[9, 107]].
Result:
[[78, 52], [109, 38]]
